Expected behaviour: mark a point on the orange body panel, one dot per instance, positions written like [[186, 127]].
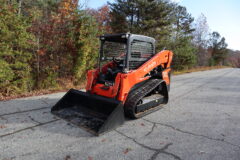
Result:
[[125, 81], [107, 91]]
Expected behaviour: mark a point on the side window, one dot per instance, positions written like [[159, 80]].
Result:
[[141, 49], [140, 53]]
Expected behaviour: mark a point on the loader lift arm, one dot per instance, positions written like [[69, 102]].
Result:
[[162, 60]]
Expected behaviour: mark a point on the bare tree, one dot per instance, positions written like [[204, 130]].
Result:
[[19, 7], [201, 38], [201, 33]]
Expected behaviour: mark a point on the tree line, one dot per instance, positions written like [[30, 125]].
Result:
[[46, 43]]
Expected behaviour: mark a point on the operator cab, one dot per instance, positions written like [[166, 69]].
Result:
[[124, 52]]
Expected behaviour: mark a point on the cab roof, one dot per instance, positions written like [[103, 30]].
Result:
[[123, 38]]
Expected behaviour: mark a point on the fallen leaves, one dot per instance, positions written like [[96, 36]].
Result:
[[103, 140], [223, 135], [67, 157], [201, 152], [127, 150], [90, 158], [2, 126]]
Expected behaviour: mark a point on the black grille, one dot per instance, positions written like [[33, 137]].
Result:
[[114, 49], [135, 64], [140, 53], [136, 54]]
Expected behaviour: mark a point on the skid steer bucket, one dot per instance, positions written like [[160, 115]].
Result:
[[94, 113]]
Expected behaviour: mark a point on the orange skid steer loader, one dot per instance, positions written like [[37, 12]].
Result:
[[131, 80]]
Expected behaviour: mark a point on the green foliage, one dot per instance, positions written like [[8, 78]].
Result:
[[15, 71], [184, 54], [67, 48], [150, 18], [218, 49], [6, 73], [183, 49], [49, 80], [43, 42], [86, 42], [169, 23], [183, 22]]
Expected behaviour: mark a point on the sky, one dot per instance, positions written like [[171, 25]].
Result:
[[223, 16]]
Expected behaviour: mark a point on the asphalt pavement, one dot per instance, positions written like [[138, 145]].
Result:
[[200, 122]]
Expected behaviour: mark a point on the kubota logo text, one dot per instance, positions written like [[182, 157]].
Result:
[[150, 66]]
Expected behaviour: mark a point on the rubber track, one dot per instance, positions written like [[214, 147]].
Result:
[[135, 96]]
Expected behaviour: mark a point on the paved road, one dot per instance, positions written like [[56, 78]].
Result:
[[201, 122]]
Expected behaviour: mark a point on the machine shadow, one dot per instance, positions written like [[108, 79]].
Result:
[[32, 114]]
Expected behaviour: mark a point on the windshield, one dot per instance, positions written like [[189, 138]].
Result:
[[113, 50]]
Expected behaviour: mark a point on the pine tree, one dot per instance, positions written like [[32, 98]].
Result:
[[148, 17], [218, 49], [184, 50], [15, 44], [86, 44]]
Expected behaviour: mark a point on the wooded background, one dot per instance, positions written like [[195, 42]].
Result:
[[45, 44]]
